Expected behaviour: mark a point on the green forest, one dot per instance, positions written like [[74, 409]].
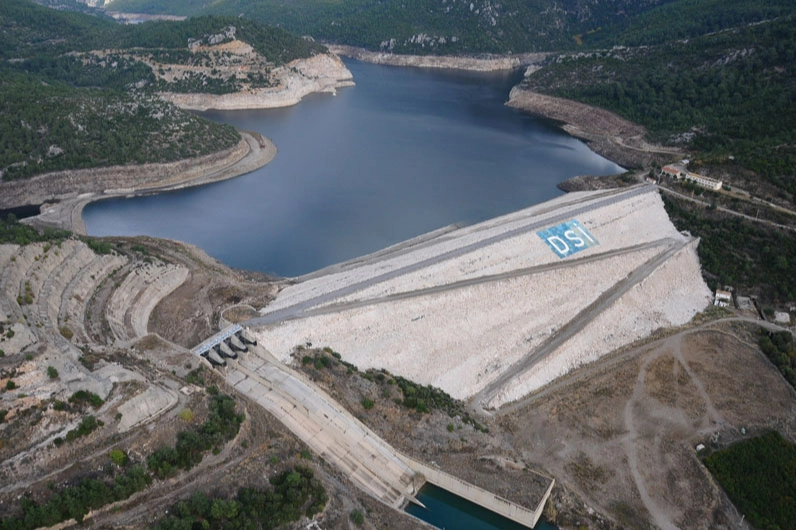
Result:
[[759, 476], [733, 93], [780, 349], [510, 26], [295, 493], [753, 258]]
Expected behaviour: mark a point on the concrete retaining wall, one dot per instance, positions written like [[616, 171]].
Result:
[[481, 497]]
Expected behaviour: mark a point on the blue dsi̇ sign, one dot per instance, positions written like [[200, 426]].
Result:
[[567, 238]]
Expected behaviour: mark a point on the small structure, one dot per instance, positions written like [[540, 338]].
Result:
[[745, 303], [723, 298], [675, 171], [782, 317]]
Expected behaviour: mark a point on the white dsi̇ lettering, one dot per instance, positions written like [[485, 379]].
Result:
[[571, 236], [583, 231], [558, 244]]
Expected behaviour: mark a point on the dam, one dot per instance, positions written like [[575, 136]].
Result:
[[493, 311], [488, 313]]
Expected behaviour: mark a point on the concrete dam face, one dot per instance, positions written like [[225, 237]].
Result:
[[497, 310]]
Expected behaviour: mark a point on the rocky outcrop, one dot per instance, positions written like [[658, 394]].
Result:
[[321, 73], [482, 63], [607, 133]]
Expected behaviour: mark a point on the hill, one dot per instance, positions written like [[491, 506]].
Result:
[[81, 91], [445, 27]]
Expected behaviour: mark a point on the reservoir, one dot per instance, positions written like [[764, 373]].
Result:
[[404, 152]]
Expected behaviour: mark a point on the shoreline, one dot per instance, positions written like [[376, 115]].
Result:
[[254, 151], [484, 63], [606, 133]]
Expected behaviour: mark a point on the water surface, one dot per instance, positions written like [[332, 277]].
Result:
[[403, 152]]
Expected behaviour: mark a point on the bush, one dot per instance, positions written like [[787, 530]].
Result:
[[118, 457], [52, 372], [10, 385], [83, 397], [66, 332], [367, 403], [357, 517], [86, 426]]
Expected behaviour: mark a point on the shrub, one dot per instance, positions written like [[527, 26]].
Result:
[[66, 332], [118, 457], [52, 372], [10, 385], [357, 517], [83, 396], [367, 403]]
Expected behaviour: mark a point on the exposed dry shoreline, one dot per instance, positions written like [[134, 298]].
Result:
[[606, 133], [482, 63], [297, 79], [64, 194]]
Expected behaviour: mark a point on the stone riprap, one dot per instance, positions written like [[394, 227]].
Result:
[[491, 310]]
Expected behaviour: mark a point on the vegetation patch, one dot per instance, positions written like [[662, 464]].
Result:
[[780, 349], [759, 476], [753, 258], [295, 493], [87, 425], [92, 492], [413, 396], [77, 500], [84, 397], [222, 425]]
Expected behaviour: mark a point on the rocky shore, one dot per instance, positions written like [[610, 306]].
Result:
[[481, 63], [64, 194], [607, 133]]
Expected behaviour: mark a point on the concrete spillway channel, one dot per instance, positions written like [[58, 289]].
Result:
[[342, 440], [324, 426], [337, 436]]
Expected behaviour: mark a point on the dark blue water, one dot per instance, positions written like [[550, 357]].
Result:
[[446, 510], [404, 152]]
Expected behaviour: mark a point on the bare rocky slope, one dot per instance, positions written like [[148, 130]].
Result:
[[480, 63], [293, 81]]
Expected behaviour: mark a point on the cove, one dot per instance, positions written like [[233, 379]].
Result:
[[404, 152]]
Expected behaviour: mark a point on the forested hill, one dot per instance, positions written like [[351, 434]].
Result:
[[481, 26], [729, 95], [78, 91]]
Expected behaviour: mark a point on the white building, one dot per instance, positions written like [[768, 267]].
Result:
[[723, 298], [704, 182]]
